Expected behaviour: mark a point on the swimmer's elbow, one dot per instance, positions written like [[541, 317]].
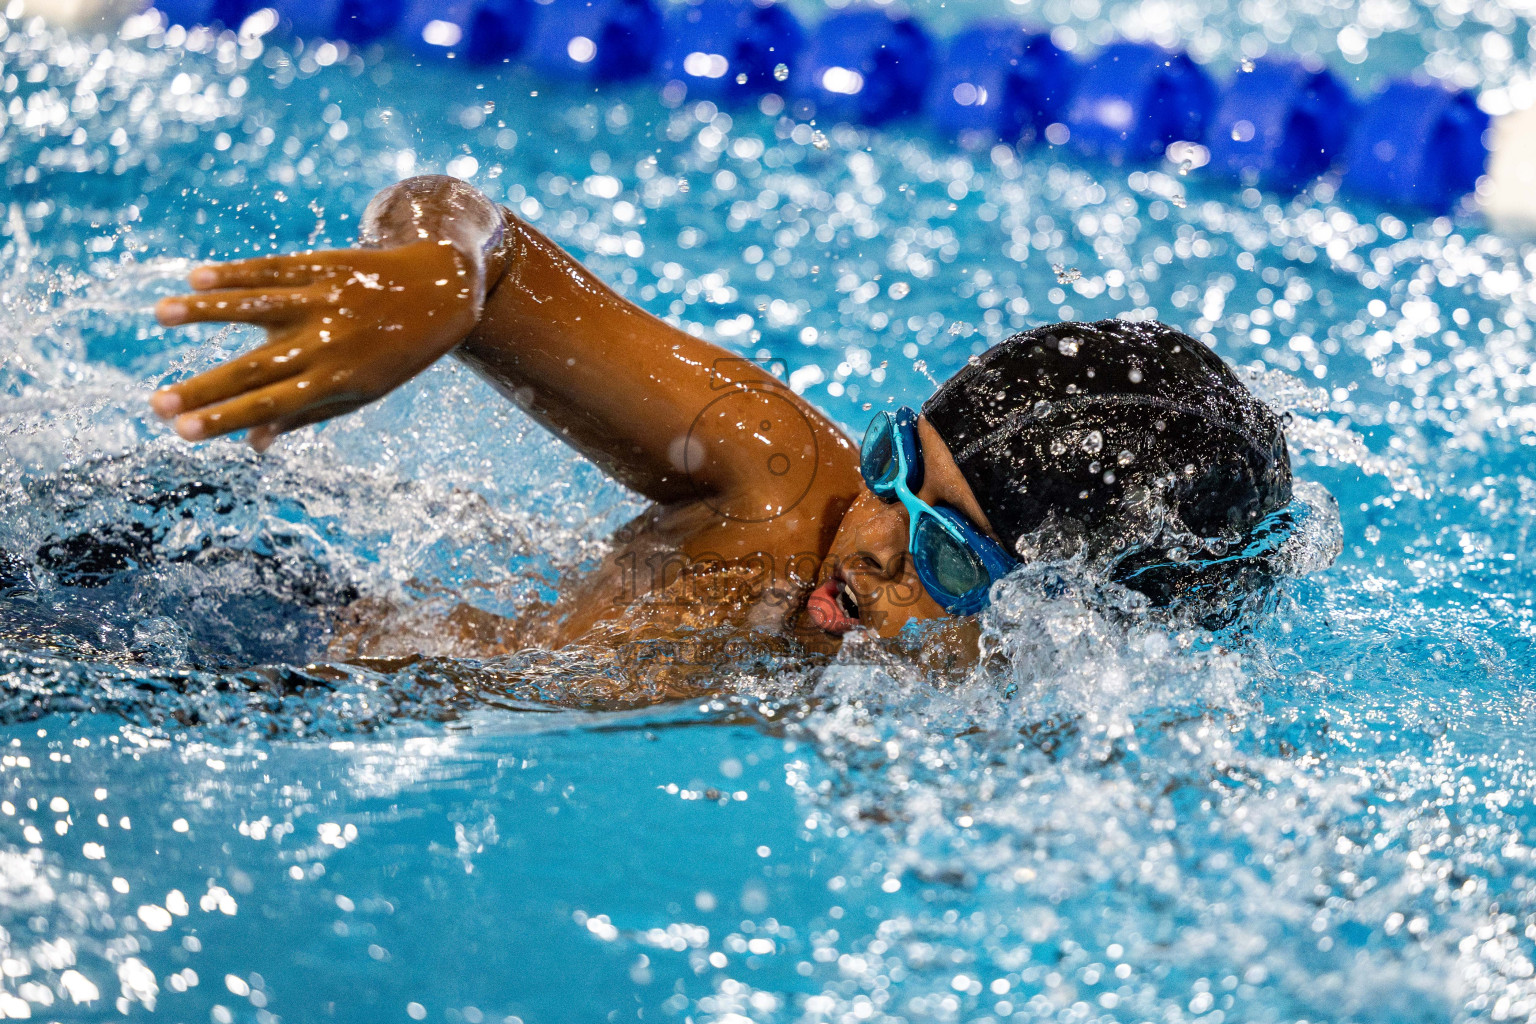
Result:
[[430, 206], [430, 187]]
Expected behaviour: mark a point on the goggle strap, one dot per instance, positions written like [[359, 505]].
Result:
[[911, 448]]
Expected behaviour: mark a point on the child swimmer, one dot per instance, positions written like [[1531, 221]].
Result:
[[765, 515]]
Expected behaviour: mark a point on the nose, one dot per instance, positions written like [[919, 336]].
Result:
[[880, 541]]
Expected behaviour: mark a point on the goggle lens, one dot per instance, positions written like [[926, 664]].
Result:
[[948, 562], [877, 455]]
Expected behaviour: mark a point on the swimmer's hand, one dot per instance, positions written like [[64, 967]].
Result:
[[343, 329]]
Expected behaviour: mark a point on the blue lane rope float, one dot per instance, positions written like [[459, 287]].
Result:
[[996, 79], [1132, 100], [204, 12], [1417, 143], [482, 31], [1280, 124], [355, 21], [727, 49], [594, 40], [867, 66], [366, 21]]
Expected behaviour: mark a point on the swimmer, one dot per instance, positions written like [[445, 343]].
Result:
[[765, 516]]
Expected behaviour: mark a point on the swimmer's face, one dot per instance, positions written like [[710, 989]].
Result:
[[869, 553]]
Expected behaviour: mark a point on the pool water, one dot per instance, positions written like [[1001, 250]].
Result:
[[1322, 812]]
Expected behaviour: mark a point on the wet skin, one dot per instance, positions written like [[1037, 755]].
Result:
[[757, 495]]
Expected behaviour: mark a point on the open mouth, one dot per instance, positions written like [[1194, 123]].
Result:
[[833, 607]]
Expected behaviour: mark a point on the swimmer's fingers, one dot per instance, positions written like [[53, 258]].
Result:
[[263, 271], [247, 305], [272, 404], [276, 361], [262, 437]]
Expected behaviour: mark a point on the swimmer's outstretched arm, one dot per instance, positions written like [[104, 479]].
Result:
[[443, 269]]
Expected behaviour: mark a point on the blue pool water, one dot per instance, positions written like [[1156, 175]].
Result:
[[1323, 813]]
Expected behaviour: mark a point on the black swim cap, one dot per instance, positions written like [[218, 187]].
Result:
[[1087, 421]]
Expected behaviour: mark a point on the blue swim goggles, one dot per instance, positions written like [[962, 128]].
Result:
[[956, 562]]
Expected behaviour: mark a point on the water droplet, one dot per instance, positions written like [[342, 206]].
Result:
[[1042, 409], [1126, 458], [819, 140], [1093, 441], [900, 290], [781, 73], [741, 79], [1246, 64], [1177, 199], [1068, 347], [1134, 375], [1066, 275]]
